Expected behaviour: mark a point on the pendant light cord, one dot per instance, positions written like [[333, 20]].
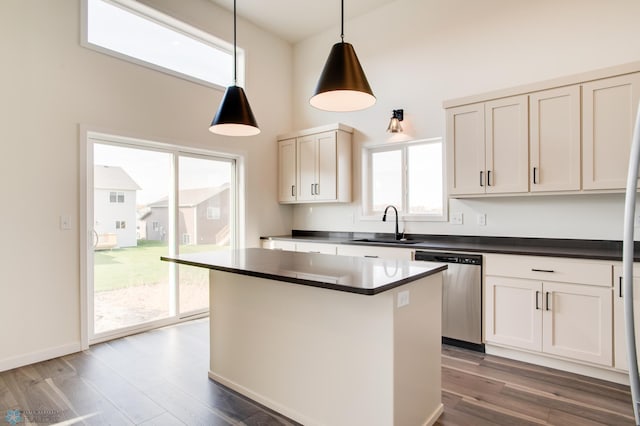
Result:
[[235, 61], [342, 22]]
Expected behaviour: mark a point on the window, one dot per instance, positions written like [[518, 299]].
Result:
[[408, 175], [213, 213], [186, 239], [155, 225], [116, 197], [137, 33], [121, 224]]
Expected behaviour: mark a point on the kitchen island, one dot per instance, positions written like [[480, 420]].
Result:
[[326, 340]]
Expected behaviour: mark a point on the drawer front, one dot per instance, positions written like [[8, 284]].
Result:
[[316, 248], [550, 269]]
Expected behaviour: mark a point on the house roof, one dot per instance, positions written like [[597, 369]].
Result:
[[110, 177], [192, 197]]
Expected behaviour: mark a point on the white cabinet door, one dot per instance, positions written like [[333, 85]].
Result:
[[513, 312], [287, 170], [555, 139], [327, 166], [507, 145], [465, 149], [577, 322], [307, 160], [609, 108], [317, 167], [620, 359]]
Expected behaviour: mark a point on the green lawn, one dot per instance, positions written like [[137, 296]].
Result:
[[133, 266]]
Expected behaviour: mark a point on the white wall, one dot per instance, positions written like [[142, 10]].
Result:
[[51, 85], [417, 53]]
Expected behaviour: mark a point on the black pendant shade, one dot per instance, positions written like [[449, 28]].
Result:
[[342, 85], [234, 116]]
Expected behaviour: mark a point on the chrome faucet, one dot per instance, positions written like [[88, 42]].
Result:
[[398, 236]]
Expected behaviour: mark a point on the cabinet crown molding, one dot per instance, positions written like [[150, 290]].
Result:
[[579, 78], [314, 130]]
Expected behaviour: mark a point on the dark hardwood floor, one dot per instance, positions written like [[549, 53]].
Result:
[[159, 378]]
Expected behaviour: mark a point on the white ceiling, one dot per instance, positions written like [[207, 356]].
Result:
[[295, 20]]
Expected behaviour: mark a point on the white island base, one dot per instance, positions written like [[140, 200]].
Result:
[[327, 357]]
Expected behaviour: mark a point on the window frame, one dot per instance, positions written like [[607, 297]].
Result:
[[173, 24], [366, 212]]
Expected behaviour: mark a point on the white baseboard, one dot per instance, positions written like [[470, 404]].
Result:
[[433, 418], [38, 356], [602, 373]]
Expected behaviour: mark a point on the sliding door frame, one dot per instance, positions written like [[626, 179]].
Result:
[[89, 136]]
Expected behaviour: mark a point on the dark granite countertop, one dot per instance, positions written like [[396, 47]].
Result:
[[555, 247], [343, 273]]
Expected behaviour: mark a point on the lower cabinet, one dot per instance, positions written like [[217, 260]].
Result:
[[620, 359], [572, 320]]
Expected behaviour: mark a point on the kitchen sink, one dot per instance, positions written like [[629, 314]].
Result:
[[384, 241]]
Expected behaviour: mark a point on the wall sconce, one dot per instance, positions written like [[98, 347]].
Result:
[[396, 118]]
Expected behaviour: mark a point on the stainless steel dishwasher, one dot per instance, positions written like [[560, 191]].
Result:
[[461, 297]]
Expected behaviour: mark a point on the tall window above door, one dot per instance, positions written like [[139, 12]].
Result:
[[137, 33], [408, 175]]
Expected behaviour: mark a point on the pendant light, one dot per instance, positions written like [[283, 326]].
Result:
[[234, 116], [342, 85]]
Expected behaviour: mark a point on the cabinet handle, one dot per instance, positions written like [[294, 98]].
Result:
[[293, 188], [537, 294], [481, 178], [371, 256], [488, 177], [535, 169], [317, 185], [620, 287], [312, 190], [542, 270], [547, 300]]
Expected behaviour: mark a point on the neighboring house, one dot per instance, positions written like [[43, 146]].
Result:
[[203, 216], [114, 207]]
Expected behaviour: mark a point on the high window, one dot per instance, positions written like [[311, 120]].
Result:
[[408, 175], [137, 33]]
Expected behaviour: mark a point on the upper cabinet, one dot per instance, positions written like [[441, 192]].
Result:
[[287, 170], [506, 145], [314, 165], [487, 147], [609, 108], [465, 149], [568, 135], [555, 139]]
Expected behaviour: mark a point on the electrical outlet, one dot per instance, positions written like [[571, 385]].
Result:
[[456, 218], [481, 219], [403, 298]]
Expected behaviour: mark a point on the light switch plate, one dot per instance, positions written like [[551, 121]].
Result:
[[481, 219], [65, 223]]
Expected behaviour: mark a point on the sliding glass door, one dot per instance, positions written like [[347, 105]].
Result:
[[148, 201]]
